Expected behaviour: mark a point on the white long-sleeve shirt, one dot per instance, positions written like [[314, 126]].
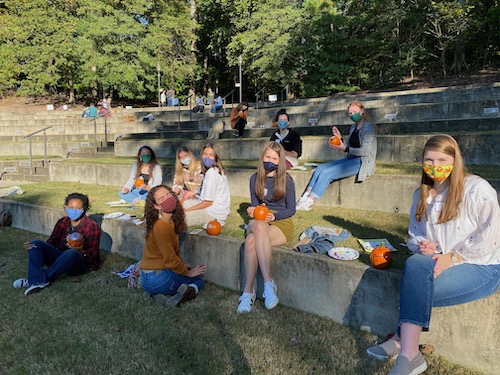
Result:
[[474, 234]]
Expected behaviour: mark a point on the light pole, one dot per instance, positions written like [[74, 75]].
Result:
[[240, 60], [158, 69]]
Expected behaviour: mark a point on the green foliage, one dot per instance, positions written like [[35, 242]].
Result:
[[109, 46]]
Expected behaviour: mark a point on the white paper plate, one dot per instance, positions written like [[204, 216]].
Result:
[[113, 215], [343, 253]]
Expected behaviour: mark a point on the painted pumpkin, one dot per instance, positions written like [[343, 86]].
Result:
[[214, 227], [334, 141], [381, 257], [74, 240], [260, 212]]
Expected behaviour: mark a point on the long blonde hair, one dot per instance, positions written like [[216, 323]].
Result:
[[194, 165], [451, 207], [280, 177]]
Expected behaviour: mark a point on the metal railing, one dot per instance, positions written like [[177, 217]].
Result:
[[284, 97], [263, 91], [224, 102], [94, 119], [44, 130]]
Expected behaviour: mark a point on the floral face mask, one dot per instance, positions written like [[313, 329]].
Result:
[[438, 172]]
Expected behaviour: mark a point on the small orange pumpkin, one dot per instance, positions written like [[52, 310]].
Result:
[[334, 141], [74, 240], [214, 227], [139, 182], [381, 257], [260, 212]]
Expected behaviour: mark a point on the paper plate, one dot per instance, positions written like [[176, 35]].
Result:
[[343, 253], [113, 215]]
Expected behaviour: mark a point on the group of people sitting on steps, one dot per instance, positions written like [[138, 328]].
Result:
[[454, 229]]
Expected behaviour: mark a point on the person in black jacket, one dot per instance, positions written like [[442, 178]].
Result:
[[288, 138]]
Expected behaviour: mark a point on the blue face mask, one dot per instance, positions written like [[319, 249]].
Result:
[[269, 166], [282, 124], [74, 214], [207, 162]]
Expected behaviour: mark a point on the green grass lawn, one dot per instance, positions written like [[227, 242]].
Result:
[[94, 325]]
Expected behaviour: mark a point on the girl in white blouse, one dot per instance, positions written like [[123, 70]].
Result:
[[455, 237]]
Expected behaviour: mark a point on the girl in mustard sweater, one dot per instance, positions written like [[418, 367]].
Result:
[[164, 272]]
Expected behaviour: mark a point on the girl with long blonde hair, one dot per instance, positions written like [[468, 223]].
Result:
[[361, 149], [188, 175], [455, 237], [273, 187]]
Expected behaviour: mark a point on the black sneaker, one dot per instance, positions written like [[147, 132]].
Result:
[[189, 295]]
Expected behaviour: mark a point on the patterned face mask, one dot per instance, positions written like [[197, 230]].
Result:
[[438, 172]]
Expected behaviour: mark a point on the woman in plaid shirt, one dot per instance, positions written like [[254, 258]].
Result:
[[61, 253]]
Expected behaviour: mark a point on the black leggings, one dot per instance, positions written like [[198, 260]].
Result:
[[240, 126]]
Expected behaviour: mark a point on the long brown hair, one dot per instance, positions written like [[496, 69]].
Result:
[[218, 161], [279, 178], [451, 207], [179, 167], [151, 214], [152, 162]]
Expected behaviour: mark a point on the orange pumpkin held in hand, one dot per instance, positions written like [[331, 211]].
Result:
[[74, 240], [139, 182], [381, 257], [334, 141], [260, 212], [213, 227]]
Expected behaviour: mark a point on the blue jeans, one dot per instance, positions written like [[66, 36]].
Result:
[[420, 291], [215, 108], [57, 262], [166, 282], [328, 172], [133, 194]]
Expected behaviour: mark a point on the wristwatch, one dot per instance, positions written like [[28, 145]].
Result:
[[454, 258]]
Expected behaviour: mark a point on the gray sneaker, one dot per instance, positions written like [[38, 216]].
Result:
[[387, 350], [177, 297], [404, 366]]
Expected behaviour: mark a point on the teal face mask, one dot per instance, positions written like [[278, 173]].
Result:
[[355, 116], [145, 158]]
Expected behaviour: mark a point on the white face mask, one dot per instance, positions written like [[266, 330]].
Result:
[[186, 161]]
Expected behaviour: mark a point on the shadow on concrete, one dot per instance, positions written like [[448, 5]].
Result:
[[374, 309], [106, 241]]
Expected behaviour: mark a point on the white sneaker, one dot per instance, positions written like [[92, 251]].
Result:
[[20, 283], [35, 288], [304, 197], [306, 205], [271, 299], [246, 302]]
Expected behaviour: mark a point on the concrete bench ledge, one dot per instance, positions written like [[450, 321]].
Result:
[[349, 293]]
